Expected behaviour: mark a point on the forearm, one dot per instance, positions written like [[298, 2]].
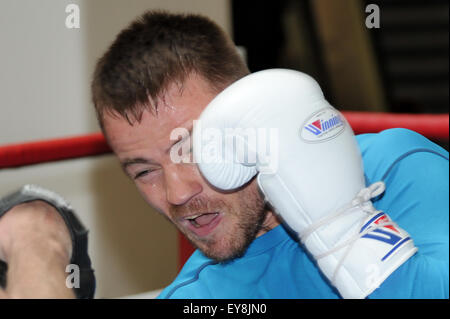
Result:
[[36, 246], [38, 271], [38, 234]]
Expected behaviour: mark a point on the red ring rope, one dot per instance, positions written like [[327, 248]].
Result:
[[15, 155], [433, 126]]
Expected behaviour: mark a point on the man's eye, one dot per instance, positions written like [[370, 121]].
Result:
[[141, 174]]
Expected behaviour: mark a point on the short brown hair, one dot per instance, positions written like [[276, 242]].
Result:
[[158, 49]]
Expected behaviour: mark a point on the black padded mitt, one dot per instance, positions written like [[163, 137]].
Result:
[[77, 231]]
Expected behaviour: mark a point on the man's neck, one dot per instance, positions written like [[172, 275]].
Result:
[[270, 222]]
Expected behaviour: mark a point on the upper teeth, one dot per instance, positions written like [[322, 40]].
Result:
[[193, 216]]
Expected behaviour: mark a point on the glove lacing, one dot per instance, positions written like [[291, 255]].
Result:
[[361, 201]]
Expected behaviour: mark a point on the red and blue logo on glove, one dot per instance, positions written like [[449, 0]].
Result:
[[389, 234], [322, 126]]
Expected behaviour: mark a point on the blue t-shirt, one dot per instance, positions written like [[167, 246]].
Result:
[[416, 174]]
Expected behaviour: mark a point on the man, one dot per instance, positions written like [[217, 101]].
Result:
[[159, 75]]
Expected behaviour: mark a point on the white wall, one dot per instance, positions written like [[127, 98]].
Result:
[[45, 73]]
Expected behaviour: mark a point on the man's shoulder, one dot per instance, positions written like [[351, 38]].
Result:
[[188, 275], [394, 142], [381, 151]]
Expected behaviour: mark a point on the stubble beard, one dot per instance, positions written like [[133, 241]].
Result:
[[244, 219]]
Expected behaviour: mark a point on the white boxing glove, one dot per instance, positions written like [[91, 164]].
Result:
[[277, 124]]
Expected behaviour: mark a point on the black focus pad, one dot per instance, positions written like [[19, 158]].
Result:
[[3, 269], [78, 233]]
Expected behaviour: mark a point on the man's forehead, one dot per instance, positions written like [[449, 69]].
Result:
[[157, 125], [177, 108]]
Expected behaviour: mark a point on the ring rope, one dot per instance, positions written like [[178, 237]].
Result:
[[433, 126]]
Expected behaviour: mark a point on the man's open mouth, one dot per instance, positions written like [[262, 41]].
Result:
[[200, 220], [204, 223]]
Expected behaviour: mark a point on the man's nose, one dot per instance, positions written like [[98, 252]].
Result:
[[181, 184]]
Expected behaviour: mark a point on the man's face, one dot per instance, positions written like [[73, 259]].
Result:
[[220, 224]]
